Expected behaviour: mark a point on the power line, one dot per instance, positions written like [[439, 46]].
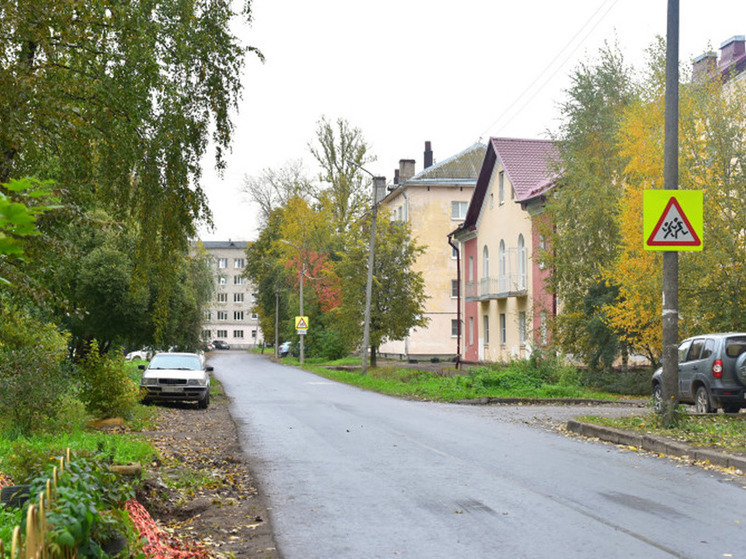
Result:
[[608, 4]]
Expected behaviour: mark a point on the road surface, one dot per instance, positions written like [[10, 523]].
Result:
[[354, 474]]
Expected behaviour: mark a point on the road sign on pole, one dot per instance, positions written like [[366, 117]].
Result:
[[673, 219], [301, 324]]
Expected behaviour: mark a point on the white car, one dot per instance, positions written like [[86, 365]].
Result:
[[143, 354], [176, 377]]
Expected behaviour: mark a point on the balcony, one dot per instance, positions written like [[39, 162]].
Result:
[[502, 287]]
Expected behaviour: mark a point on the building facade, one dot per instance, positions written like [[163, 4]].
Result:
[[229, 317], [506, 307], [433, 202]]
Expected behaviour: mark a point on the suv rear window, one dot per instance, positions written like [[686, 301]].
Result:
[[735, 346]]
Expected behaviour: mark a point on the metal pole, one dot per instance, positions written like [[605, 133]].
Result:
[[670, 318], [369, 286], [277, 323], [302, 336]]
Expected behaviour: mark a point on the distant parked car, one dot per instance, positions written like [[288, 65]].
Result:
[[712, 373], [176, 377], [144, 354], [285, 349], [220, 344]]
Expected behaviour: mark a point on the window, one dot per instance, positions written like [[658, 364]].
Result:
[[486, 329], [471, 330], [454, 289], [522, 263], [207, 315], [222, 315], [683, 350], [222, 334], [502, 264], [544, 328], [254, 297], [542, 249], [237, 315], [254, 315], [206, 334], [253, 334], [695, 350], [501, 183], [222, 280], [222, 297], [238, 333], [454, 253], [503, 329], [458, 210], [239, 280], [222, 263], [239, 263], [485, 262], [471, 268], [454, 328], [522, 327], [709, 348], [238, 297]]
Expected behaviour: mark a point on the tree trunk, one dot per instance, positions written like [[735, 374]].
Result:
[[373, 354]]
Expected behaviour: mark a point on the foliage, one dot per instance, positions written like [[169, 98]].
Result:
[[105, 388], [583, 229], [398, 295], [33, 372], [340, 150], [274, 188], [81, 517]]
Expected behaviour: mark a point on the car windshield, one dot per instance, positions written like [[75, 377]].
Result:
[[175, 361], [735, 346]]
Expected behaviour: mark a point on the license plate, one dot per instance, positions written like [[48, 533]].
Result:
[[172, 389]]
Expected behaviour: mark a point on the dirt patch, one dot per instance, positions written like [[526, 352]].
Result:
[[202, 488]]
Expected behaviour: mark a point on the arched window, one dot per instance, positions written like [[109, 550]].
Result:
[[502, 268], [522, 263], [485, 262]]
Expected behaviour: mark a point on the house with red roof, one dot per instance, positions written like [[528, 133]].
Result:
[[504, 302]]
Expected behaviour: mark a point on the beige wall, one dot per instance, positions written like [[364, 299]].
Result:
[[504, 220], [429, 215]]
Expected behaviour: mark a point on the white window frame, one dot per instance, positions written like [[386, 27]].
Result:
[[458, 210], [222, 263]]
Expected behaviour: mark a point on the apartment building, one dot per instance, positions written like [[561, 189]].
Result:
[[229, 317]]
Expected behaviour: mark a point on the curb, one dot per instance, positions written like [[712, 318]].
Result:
[[657, 444]]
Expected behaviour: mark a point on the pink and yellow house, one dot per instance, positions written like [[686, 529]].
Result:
[[505, 306]]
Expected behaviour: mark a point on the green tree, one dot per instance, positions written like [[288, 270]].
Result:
[[584, 230], [340, 149], [398, 297]]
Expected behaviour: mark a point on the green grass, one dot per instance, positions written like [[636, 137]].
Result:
[[513, 382], [718, 431]]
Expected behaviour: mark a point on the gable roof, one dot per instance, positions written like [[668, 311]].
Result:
[[462, 166], [527, 163]]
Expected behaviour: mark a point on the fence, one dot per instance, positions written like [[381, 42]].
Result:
[[32, 544]]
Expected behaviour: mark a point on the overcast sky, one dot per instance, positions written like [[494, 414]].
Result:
[[409, 71]]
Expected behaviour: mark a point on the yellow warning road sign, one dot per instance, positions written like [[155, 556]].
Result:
[[301, 323], [672, 219]]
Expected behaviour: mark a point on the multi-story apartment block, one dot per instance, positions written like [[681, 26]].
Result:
[[229, 317], [434, 202]]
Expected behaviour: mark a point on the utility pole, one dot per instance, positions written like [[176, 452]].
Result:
[[301, 255], [670, 318], [379, 183]]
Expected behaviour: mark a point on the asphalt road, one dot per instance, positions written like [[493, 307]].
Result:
[[354, 474]]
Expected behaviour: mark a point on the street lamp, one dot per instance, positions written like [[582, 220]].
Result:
[[377, 182], [302, 273]]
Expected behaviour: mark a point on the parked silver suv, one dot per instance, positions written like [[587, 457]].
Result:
[[712, 373]]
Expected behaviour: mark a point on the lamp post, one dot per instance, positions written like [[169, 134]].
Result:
[[302, 273], [377, 182]]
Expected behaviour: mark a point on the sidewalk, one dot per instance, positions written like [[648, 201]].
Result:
[[658, 444]]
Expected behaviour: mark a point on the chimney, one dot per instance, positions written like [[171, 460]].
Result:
[[406, 169], [731, 50], [396, 176], [379, 189], [428, 155], [704, 65]]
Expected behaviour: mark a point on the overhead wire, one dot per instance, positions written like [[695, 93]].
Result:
[[608, 5]]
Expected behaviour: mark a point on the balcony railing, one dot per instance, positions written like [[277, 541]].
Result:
[[502, 287]]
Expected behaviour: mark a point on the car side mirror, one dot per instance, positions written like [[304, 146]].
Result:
[[210, 369], [141, 367]]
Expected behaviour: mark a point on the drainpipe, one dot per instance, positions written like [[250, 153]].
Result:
[[458, 299]]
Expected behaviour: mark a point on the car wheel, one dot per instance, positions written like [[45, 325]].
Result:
[[702, 401], [204, 402], [657, 398]]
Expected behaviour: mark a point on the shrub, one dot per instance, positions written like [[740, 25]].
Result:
[[105, 389]]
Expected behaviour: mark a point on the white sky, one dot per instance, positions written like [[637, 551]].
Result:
[[407, 71]]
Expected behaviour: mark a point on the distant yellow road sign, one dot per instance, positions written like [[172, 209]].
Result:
[[301, 323], [673, 219]]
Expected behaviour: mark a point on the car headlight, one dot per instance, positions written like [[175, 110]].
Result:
[[196, 382], [149, 381]]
